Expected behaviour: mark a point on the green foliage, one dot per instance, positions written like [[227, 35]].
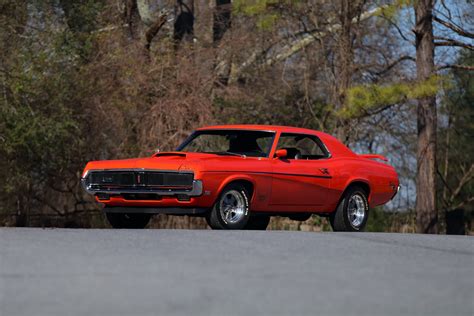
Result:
[[267, 21], [38, 129], [35, 142], [82, 20], [250, 7], [391, 10], [365, 98], [81, 15], [41, 131], [321, 222], [386, 221], [266, 11], [379, 220]]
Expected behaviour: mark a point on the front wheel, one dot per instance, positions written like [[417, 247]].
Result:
[[352, 212], [231, 210], [128, 220]]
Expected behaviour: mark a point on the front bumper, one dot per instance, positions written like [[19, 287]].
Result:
[[195, 190]]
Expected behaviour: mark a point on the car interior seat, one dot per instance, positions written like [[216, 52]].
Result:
[[246, 146]]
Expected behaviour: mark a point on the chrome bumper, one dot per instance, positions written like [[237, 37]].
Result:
[[196, 190], [396, 192]]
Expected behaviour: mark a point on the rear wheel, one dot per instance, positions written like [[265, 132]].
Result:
[[231, 210], [128, 220], [352, 212]]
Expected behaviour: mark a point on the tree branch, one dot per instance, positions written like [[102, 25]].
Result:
[[453, 27], [449, 16], [393, 64], [153, 30], [462, 203], [455, 66], [451, 42], [374, 111], [443, 180], [468, 176], [446, 188], [397, 28], [50, 205], [295, 46]]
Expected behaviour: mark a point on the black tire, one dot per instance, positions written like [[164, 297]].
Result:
[[128, 220], [217, 219], [344, 219], [259, 222], [212, 221]]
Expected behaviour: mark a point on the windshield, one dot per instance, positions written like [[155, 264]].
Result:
[[230, 142]]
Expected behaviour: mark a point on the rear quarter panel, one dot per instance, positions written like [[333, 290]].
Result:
[[381, 179]]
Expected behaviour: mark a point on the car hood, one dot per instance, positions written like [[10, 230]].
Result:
[[179, 161]]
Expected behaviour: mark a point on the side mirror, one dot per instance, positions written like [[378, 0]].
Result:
[[281, 153]]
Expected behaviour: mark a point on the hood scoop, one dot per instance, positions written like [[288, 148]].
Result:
[[170, 154]]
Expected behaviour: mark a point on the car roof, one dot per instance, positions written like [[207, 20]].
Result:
[[335, 147]]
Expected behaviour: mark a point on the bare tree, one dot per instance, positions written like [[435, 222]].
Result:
[[426, 211], [426, 42]]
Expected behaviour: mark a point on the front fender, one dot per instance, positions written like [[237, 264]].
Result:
[[237, 177]]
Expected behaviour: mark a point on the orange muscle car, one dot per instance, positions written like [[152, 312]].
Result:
[[237, 176]]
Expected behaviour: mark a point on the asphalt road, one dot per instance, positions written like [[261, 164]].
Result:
[[182, 272]]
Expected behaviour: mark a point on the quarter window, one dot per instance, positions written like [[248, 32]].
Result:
[[302, 146]]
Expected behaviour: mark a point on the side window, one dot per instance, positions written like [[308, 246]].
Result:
[[265, 143], [301, 146]]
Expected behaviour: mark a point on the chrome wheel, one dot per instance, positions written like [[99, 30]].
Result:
[[233, 207], [356, 210]]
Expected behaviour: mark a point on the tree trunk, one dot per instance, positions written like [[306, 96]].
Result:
[[222, 19], [203, 14], [350, 16], [426, 212], [345, 62]]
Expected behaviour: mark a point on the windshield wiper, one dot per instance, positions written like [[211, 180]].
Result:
[[228, 153]]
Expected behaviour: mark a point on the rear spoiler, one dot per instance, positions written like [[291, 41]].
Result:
[[372, 156]]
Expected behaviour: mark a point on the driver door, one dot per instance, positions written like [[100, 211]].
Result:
[[301, 181]]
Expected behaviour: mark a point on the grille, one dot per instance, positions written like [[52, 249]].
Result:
[[139, 179]]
